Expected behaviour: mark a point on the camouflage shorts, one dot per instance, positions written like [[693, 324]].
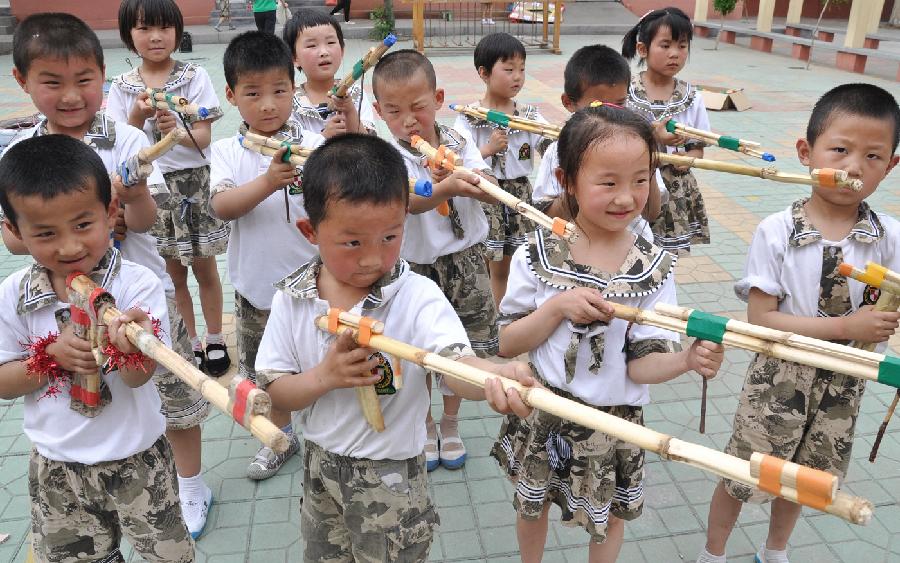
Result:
[[184, 227], [794, 412], [365, 510], [80, 512], [588, 474], [682, 220], [463, 277], [507, 227], [183, 406], [249, 323]]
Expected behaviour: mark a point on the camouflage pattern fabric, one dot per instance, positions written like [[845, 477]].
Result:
[[81, 512], [588, 474], [184, 227], [250, 323], [464, 279], [682, 220], [365, 510], [508, 229], [183, 405]]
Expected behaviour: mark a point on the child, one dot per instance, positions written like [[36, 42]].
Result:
[[317, 46], [446, 249], [662, 39], [59, 62], [91, 479], [185, 233], [500, 63], [366, 495], [554, 309], [595, 73], [251, 191], [795, 412]]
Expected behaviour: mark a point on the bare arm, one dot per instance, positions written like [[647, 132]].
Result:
[[703, 356], [654, 203], [237, 202], [140, 209], [15, 381]]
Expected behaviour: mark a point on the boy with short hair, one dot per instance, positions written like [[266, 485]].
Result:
[[802, 414], [59, 63], [500, 63], [595, 73], [91, 479], [262, 198], [448, 250], [366, 495]]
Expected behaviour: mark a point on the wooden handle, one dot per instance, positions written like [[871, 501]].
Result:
[[295, 159], [148, 154]]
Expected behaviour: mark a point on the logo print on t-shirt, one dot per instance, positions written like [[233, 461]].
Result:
[[385, 385], [525, 152], [295, 188], [870, 295]]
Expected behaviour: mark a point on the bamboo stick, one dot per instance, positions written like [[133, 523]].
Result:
[[731, 143], [276, 144], [368, 60], [139, 167], [812, 483], [149, 345], [165, 100], [825, 177], [509, 121], [265, 148], [556, 225]]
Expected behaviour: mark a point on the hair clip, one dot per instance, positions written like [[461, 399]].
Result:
[[647, 13], [598, 103]]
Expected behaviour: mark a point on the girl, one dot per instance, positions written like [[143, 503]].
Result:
[[317, 45], [186, 234], [662, 39], [554, 309]]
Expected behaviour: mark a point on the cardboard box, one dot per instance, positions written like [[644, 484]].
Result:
[[719, 99]]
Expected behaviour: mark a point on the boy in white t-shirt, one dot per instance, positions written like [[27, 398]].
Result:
[[91, 479], [59, 63], [802, 414], [447, 249], [365, 493], [262, 198]]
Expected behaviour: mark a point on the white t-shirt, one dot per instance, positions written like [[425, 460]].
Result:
[[187, 80], [785, 258], [540, 270], [264, 246], [684, 106], [430, 235], [307, 115], [58, 432], [518, 160], [547, 187], [115, 142], [413, 310]]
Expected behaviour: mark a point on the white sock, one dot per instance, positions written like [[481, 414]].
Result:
[[774, 555], [214, 338], [191, 486], [195, 344], [707, 557]]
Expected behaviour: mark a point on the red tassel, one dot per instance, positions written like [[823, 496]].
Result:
[[132, 361], [41, 363]]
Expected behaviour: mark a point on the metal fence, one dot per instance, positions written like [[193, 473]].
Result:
[[449, 26]]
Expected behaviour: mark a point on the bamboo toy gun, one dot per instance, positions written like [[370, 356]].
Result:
[[447, 159], [731, 143], [888, 282], [509, 121], [793, 482], [246, 404], [825, 177], [160, 99], [139, 167], [368, 60]]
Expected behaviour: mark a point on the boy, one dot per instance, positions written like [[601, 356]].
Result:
[[792, 283], [366, 496], [251, 191], [59, 63], [91, 479], [595, 73], [448, 250], [500, 63]]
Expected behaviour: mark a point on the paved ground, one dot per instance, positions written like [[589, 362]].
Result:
[[259, 521]]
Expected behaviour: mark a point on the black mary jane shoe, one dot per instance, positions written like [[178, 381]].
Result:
[[217, 360]]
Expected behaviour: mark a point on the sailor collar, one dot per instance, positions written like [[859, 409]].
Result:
[[867, 229], [36, 290], [302, 283]]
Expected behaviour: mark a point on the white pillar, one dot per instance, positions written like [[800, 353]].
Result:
[[766, 13], [701, 10], [875, 15], [795, 10], [858, 24]]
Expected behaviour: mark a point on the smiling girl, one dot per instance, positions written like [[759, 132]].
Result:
[[662, 40]]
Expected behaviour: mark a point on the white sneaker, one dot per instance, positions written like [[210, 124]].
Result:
[[195, 510], [267, 462], [491, 21], [773, 556]]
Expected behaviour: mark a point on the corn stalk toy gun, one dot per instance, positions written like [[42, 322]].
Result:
[[139, 167], [797, 483], [509, 121], [447, 159], [825, 177], [246, 404], [731, 143], [160, 99], [888, 282]]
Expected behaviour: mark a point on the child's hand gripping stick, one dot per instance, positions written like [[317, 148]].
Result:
[[160, 99], [138, 167]]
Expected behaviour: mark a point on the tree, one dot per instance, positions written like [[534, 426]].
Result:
[[725, 7]]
